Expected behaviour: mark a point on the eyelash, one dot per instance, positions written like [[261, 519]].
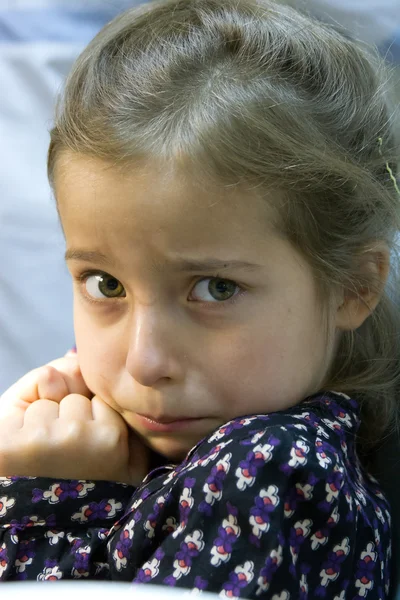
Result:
[[82, 278]]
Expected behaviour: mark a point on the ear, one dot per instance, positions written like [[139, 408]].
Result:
[[357, 306]]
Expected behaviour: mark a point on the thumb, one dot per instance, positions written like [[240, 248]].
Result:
[[51, 384], [68, 367]]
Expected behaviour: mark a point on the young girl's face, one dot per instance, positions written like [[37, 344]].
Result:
[[176, 344]]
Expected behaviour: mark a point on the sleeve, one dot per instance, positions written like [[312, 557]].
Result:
[[262, 521], [53, 530]]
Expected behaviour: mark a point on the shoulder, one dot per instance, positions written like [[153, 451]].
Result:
[[317, 433], [277, 468], [295, 452]]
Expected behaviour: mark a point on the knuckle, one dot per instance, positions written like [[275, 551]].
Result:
[[48, 373], [40, 406], [38, 434], [109, 435], [73, 399], [36, 439], [73, 430]]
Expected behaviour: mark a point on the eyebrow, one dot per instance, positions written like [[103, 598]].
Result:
[[180, 265]]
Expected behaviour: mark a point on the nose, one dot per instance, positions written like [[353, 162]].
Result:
[[153, 347]]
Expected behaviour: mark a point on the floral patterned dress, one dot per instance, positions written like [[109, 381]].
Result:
[[270, 506]]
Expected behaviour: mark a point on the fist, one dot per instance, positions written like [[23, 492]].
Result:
[[51, 426], [75, 438]]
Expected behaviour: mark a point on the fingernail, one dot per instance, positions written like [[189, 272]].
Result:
[[72, 352]]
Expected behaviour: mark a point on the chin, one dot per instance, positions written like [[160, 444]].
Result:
[[174, 450]]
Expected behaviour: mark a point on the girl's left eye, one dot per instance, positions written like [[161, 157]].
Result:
[[102, 285], [220, 290]]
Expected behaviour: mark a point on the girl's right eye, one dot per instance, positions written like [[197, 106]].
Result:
[[102, 285]]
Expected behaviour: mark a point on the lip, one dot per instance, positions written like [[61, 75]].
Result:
[[168, 425]]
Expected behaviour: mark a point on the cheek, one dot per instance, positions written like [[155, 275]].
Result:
[[271, 368], [246, 367], [96, 354]]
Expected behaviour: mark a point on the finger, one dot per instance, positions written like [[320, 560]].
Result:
[[41, 412], [51, 384], [11, 419], [103, 412], [69, 368], [76, 408], [23, 392]]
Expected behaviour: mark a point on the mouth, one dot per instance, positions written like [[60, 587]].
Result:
[[170, 424]]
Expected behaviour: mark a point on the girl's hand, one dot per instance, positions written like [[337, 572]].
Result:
[[50, 427], [76, 438]]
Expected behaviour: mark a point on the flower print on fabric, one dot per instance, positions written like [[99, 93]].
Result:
[[51, 571], [255, 459], [284, 595], [272, 563], [5, 504], [122, 551], [265, 503], [24, 558], [228, 534], [82, 554], [189, 549], [200, 585], [211, 455], [3, 559], [26, 523], [150, 569], [54, 536], [106, 509], [298, 456], [321, 536], [186, 503], [270, 506], [7, 481], [169, 526], [299, 493], [59, 492], [298, 534], [153, 519], [332, 566], [322, 453], [365, 570], [238, 580], [334, 484], [214, 484], [227, 429]]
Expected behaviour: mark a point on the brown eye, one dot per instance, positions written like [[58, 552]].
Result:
[[102, 285]]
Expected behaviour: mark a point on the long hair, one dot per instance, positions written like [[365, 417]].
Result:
[[256, 94]]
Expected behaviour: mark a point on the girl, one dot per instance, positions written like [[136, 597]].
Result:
[[224, 172]]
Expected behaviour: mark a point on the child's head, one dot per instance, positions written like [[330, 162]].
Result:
[[226, 130]]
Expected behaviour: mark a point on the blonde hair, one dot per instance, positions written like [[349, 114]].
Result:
[[254, 93]]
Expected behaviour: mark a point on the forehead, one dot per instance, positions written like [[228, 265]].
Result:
[[108, 205]]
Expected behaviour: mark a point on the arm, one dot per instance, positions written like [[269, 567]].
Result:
[[260, 520], [57, 529]]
